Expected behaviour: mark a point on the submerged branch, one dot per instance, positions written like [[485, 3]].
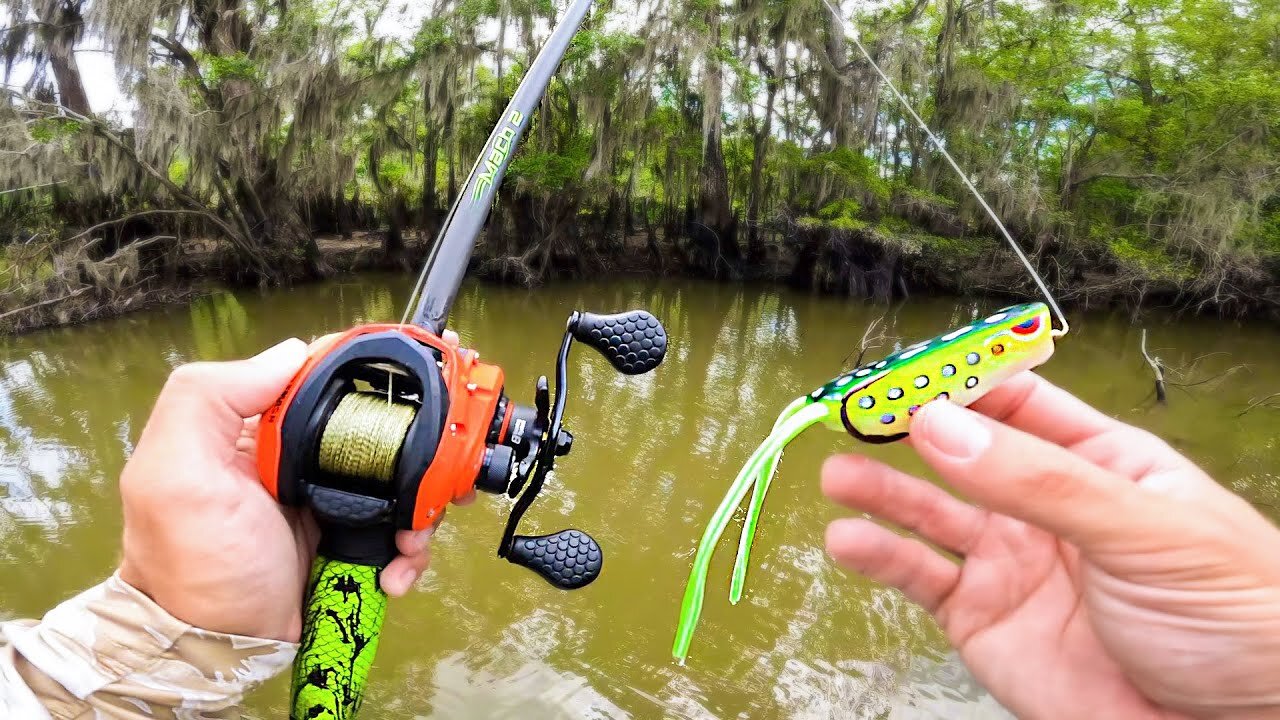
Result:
[[870, 338], [1161, 395], [1266, 401]]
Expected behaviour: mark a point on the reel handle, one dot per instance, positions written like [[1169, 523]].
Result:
[[569, 559], [633, 342]]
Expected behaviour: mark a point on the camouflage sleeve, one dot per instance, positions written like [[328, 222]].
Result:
[[111, 652]]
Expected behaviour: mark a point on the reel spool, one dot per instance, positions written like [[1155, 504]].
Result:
[[385, 425]]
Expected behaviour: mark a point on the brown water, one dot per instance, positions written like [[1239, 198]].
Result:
[[483, 639]]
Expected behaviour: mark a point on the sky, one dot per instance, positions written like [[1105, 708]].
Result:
[[401, 20], [97, 68]]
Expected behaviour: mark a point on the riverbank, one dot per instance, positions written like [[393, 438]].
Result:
[[869, 264]]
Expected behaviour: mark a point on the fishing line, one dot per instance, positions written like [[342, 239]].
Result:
[[875, 402], [851, 33], [364, 435]]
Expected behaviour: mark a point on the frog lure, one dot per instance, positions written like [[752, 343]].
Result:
[[875, 402]]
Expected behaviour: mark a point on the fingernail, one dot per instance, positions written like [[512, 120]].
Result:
[[954, 431], [421, 537], [280, 351]]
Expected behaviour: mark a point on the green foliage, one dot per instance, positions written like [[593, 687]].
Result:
[[965, 250], [552, 171], [844, 215], [179, 169], [1113, 191], [53, 129], [1265, 234], [920, 195], [224, 68], [854, 169], [1138, 254]]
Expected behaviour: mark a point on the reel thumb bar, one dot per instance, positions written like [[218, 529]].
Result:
[[445, 268]]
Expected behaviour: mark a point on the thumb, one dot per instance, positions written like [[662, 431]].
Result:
[[247, 387], [220, 395], [1016, 474]]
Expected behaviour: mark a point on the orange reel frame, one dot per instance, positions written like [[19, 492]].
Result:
[[475, 399]]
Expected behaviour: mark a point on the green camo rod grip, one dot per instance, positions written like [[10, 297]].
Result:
[[341, 626]]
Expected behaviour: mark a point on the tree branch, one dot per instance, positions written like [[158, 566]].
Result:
[[1256, 403], [1116, 176], [1161, 395], [194, 206], [29, 187], [50, 301], [188, 61], [1113, 73]]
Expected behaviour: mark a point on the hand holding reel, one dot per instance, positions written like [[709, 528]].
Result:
[[383, 427], [465, 433]]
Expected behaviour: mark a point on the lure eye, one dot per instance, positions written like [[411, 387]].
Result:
[[1029, 327]]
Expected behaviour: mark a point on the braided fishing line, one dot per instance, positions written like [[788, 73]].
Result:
[[363, 437], [345, 607]]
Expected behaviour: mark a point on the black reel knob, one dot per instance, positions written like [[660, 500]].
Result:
[[569, 559], [634, 342]]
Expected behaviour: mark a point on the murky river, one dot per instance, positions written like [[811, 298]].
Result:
[[484, 639]]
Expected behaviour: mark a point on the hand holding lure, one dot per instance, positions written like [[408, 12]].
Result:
[[875, 402]]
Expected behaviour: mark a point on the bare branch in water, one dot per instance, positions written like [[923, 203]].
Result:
[[1262, 402], [1220, 376], [871, 337], [1161, 395]]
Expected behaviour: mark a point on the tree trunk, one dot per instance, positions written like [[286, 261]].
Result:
[[70, 88], [720, 232], [755, 248], [61, 26], [393, 249]]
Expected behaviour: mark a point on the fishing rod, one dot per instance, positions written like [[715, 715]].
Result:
[[386, 424], [875, 402]]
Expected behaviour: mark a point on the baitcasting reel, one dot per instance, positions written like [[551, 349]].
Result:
[[385, 425]]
